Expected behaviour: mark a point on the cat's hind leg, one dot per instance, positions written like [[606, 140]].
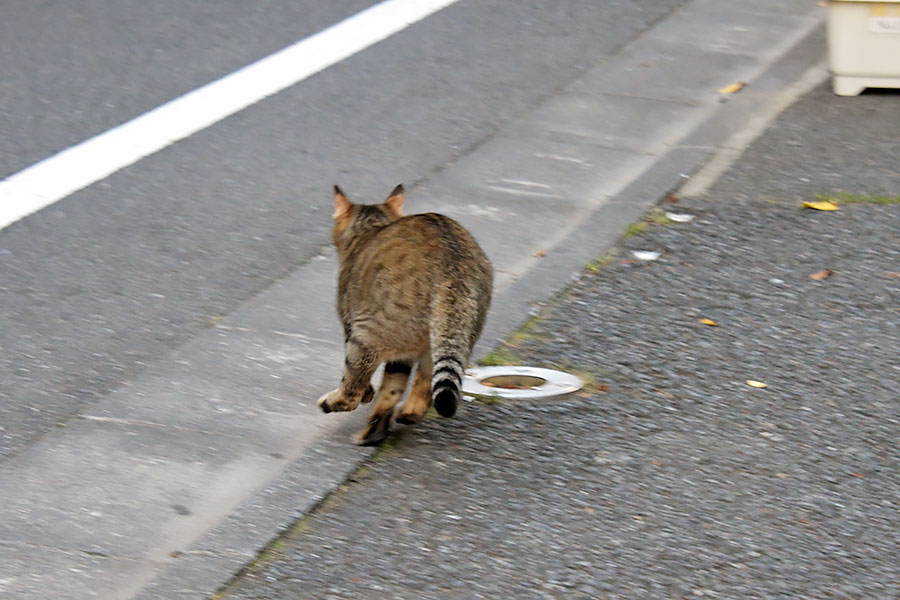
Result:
[[419, 401], [393, 384], [360, 362]]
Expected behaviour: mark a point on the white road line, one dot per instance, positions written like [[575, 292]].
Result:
[[77, 167]]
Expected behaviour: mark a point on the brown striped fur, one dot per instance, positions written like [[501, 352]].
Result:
[[413, 291]]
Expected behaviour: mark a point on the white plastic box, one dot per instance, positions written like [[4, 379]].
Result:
[[863, 45]]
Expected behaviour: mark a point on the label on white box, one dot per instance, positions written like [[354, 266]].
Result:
[[884, 24]]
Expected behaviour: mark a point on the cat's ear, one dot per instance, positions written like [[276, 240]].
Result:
[[394, 202], [342, 205]]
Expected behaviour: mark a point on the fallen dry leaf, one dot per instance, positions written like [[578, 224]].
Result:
[[756, 384], [733, 88], [821, 205], [820, 275], [709, 322]]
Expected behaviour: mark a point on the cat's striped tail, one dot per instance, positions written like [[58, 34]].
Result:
[[446, 384]]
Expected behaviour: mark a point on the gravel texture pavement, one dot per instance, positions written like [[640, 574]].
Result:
[[670, 476]]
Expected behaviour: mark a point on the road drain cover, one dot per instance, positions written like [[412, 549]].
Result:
[[519, 382]]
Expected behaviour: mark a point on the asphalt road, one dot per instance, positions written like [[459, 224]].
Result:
[[113, 277]]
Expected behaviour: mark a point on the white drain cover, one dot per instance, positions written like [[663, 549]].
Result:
[[519, 382]]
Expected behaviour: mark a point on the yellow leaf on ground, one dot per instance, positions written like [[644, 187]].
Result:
[[733, 88], [756, 384], [820, 275], [821, 205], [709, 322]]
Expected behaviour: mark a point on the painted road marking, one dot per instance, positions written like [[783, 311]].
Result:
[[74, 168]]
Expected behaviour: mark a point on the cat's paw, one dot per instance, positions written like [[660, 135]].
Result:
[[410, 415], [408, 419], [325, 401], [337, 401], [374, 433]]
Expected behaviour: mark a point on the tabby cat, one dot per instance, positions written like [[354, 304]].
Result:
[[412, 291]]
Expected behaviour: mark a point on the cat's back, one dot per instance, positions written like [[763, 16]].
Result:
[[420, 250], [435, 236], [433, 240]]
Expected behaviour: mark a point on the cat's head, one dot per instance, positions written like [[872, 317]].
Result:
[[351, 220]]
